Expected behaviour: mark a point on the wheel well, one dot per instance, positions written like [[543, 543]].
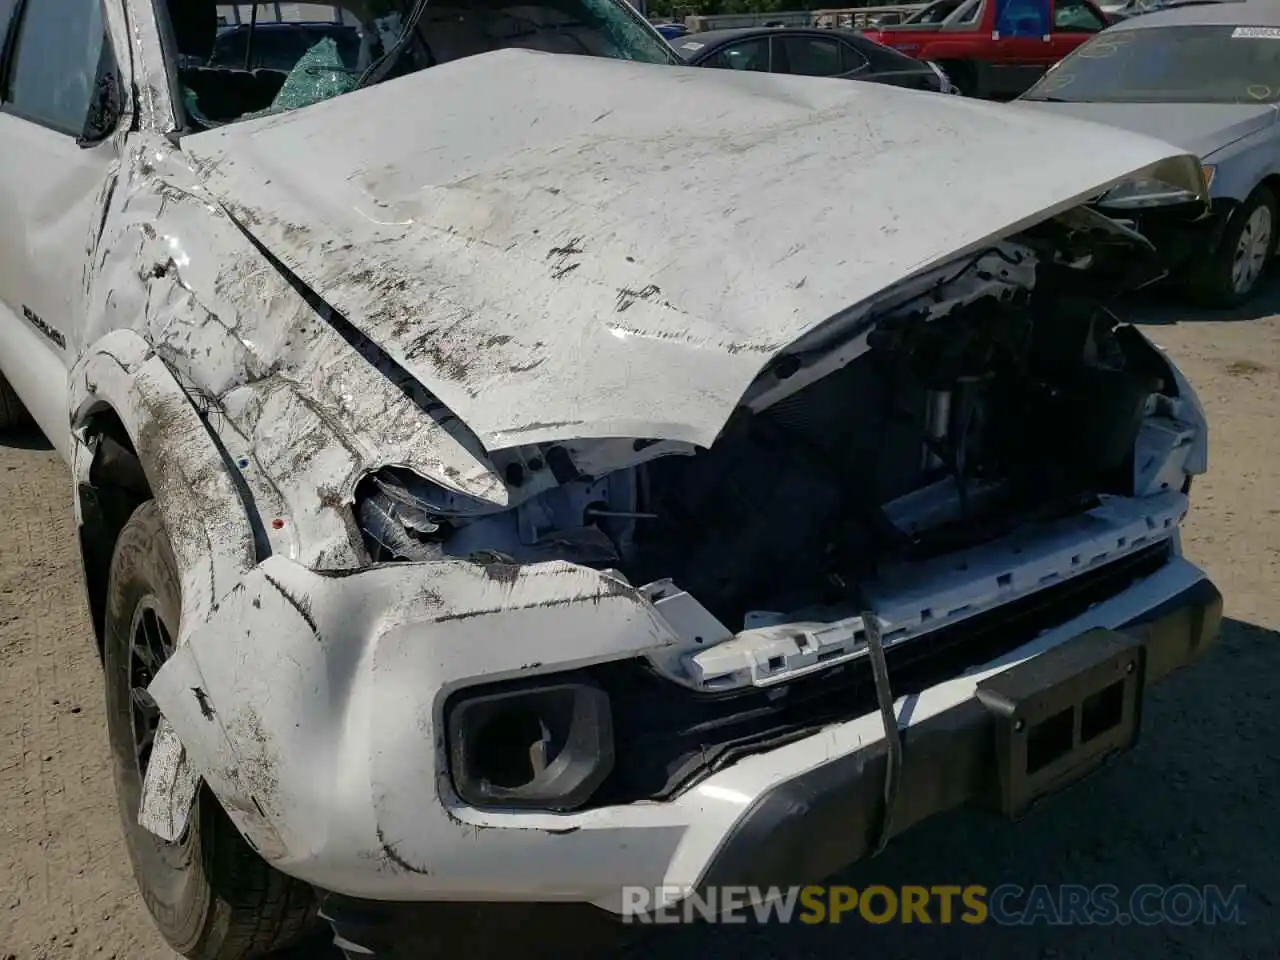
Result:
[[116, 487], [1272, 183], [961, 72]]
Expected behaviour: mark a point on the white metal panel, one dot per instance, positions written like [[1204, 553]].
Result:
[[38, 376], [556, 254]]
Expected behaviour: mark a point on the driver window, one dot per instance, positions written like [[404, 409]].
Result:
[[748, 55], [970, 15], [1074, 16], [61, 59], [1022, 18]]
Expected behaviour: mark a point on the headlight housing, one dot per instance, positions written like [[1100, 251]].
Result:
[[544, 746], [1170, 183], [1145, 192]]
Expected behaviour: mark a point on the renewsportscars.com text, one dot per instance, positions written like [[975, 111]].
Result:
[[1006, 905]]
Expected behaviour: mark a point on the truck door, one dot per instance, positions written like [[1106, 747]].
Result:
[[58, 104], [1022, 48]]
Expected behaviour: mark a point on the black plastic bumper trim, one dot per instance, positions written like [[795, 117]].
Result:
[[810, 827]]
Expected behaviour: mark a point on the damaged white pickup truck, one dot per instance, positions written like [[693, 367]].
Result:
[[464, 522]]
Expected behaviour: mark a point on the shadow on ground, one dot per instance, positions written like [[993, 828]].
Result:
[[1182, 808], [1166, 306], [25, 438], [319, 947]]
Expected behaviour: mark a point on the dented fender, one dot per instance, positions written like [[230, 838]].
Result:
[[302, 407], [312, 703], [209, 529], [228, 379]]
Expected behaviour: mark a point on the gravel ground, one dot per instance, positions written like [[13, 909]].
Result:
[[1193, 803]]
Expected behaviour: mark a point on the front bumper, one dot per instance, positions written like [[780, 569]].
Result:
[[1179, 237], [310, 704], [817, 823], [799, 831]]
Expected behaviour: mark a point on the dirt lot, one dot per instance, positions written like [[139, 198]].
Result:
[[1194, 803]]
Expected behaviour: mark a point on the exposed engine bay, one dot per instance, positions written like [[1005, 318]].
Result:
[[944, 433]]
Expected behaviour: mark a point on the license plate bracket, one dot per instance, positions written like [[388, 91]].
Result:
[[1060, 715]]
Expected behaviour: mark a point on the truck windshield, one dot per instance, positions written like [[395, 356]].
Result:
[[1176, 64], [284, 56]]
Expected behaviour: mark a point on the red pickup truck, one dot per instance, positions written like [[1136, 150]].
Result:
[[994, 48]]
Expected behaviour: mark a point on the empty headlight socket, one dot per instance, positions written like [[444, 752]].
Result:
[[542, 746]]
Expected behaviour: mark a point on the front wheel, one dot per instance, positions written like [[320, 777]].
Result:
[[211, 896], [1228, 276]]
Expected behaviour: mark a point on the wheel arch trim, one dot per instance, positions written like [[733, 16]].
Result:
[[203, 513], [212, 536]]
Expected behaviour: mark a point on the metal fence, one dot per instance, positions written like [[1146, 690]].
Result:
[[856, 18]]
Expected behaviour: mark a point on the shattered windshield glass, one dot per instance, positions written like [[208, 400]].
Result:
[[284, 56]]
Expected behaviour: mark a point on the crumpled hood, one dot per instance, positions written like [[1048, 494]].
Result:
[[556, 253], [1199, 128]]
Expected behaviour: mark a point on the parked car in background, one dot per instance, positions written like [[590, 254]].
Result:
[[1206, 77], [810, 52], [994, 48], [671, 31]]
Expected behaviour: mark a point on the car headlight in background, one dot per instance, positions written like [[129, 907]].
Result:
[[1169, 183], [546, 747]]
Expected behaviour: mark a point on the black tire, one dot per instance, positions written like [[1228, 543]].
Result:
[[211, 896], [963, 77], [12, 412], [1212, 278]]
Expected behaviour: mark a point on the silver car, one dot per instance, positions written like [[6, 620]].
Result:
[[1207, 78]]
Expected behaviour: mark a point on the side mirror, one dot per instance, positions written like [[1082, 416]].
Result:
[[106, 106]]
